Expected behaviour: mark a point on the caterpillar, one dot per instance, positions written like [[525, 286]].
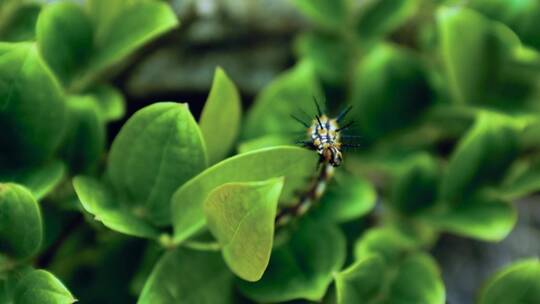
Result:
[[324, 135]]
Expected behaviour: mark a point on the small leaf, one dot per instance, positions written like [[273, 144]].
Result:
[[185, 276], [32, 109], [416, 188], [290, 93], [482, 158], [390, 269], [389, 80], [98, 200], [39, 180], [84, 142], [111, 102], [21, 229], [121, 27], [377, 18], [348, 197], [221, 117], [295, 164], [514, 284], [65, 39], [40, 286], [302, 268], [241, 216], [487, 219], [330, 14], [157, 150]]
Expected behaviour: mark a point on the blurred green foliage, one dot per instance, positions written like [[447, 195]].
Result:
[[445, 99]]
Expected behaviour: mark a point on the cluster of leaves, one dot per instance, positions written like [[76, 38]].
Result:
[[420, 75]]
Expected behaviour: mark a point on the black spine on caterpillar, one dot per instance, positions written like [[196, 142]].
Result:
[[323, 136]]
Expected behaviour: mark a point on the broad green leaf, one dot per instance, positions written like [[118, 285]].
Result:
[[481, 158], [473, 50], [514, 284], [388, 80], [100, 201], [157, 150], [221, 117], [376, 18], [295, 164], [121, 27], [302, 268], [331, 14], [414, 279], [241, 216], [390, 269], [290, 93], [329, 54], [32, 109], [65, 39], [111, 102], [21, 229], [84, 142], [264, 142], [416, 188], [40, 286], [348, 197], [18, 20], [39, 180], [185, 276], [522, 16], [479, 217]]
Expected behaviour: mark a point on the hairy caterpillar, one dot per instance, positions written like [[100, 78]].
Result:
[[324, 135]]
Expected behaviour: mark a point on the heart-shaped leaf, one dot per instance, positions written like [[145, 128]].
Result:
[[185, 276], [221, 117], [295, 164], [21, 229], [516, 283], [241, 216], [157, 150], [303, 267]]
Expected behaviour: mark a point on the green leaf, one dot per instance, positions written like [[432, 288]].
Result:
[[302, 268], [415, 279], [221, 117], [241, 216], [295, 164], [481, 158], [521, 16], [348, 197], [389, 80], [18, 20], [157, 150], [65, 39], [21, 230], [376, 18], [40, 286], [121, 27], [522, 180], [264, 142], [514, 284], [331, 14], [416, 187], [487, 219], [473, 51], [185, 276], [32, 109], [97, 199], [329, 54], [390, 269], [84, 142], [39, 180], [291, 92], [112, 104]]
